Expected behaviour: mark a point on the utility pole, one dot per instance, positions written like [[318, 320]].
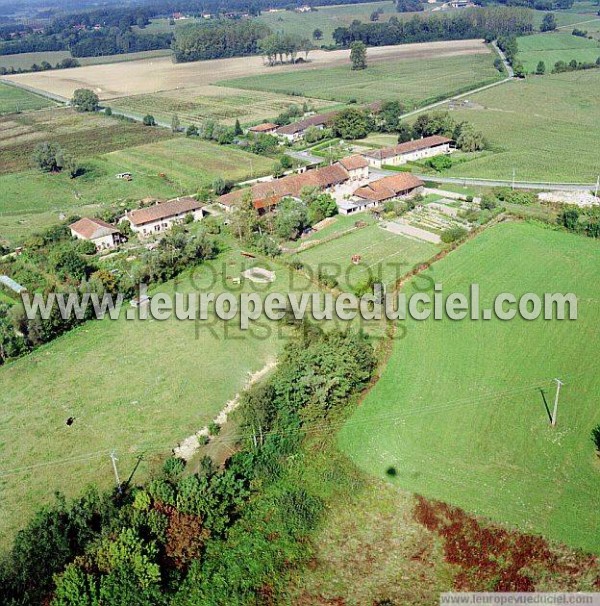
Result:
[[597, 186], [513, 179], [559, 383], [113, 458]]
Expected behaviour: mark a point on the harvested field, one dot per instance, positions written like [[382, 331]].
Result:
[[153, 75]]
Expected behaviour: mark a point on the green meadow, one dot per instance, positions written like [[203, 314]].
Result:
[[176, 166], [414, 82], [14, 100], [545, 128], [556, 46], [461, 412]]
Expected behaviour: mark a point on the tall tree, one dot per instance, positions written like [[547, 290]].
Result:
[[175, 124], [85, 100], [358, 55]]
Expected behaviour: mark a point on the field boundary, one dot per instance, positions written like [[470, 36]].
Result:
[[35, 91]]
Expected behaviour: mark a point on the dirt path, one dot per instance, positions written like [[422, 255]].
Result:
[[187, 448]]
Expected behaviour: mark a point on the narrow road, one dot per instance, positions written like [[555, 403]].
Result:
[[507, 67]]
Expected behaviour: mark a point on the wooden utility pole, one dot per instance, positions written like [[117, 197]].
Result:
[[113, 458], [559, 383]]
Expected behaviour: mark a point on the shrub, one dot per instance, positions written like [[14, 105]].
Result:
[[439, 163], [453, 234], [214, 428], [149, 120]]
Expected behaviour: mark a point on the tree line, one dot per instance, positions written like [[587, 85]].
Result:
[[216, 536], [489, 22], [217, 39]]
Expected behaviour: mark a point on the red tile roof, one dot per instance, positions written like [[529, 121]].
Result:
[[389, 187], [164, 210], [408, 147], [91, 229], [302, 125], [261, 128], [271, 192], [354, 162]]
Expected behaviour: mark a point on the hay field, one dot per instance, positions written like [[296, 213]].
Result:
[[161, 74]]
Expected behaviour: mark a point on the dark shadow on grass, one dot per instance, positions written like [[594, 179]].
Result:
[[391, 471], [137, 464], [546, 405]]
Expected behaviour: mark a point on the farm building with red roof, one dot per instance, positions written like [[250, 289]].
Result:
[[409, 151]]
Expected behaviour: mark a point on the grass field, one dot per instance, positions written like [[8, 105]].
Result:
[[459, 414], [545, 127], [26, 60], [225, 105], [414, 82], [32, 200], [18, 100], [138, 387], [385, 256], [327, 18], [80, 134], [553, 47]]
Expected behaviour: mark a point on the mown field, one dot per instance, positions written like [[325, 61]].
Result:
[[326, 18], [226, 105], [18, 100], [459, 413], [557, 46], [384, 256], [414, 82], [32, 199], [139, 387], [545, 128], [80, 134]]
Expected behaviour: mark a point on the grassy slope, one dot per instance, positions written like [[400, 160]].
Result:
[[545, 127], [385, 256], [33, 199], [15, 100], [414, 81], [458, 412], [133, 386], [558, 46]]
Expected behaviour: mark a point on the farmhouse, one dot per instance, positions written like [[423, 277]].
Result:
[[270, 193], [163, 215], [102, 234], [296, 130], [357, 167], [267, 128], [409, 151], [402, 185]]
